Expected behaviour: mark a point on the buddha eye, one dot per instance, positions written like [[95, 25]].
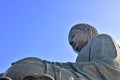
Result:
[[71, 43]]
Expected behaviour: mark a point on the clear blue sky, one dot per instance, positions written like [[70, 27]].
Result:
[[39, 28]]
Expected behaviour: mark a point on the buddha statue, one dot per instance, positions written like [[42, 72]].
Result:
[[98, 59]]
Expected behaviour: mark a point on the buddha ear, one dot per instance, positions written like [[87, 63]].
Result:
[[5, 78]]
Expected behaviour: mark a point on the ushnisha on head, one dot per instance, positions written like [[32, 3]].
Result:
[[80, 35]]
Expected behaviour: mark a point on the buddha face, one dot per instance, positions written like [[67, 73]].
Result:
[[78, 39]]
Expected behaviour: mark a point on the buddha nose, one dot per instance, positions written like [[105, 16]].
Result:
[[72, 43]]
